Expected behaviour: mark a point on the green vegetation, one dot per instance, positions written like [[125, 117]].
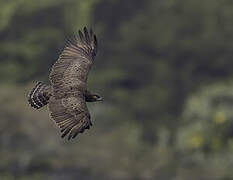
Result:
[[164, 69]]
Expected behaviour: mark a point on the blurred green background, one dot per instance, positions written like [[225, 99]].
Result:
[[164, 68]]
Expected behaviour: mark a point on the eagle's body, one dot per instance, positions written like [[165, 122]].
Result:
[[67, 94]]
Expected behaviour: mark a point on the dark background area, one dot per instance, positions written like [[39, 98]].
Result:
[[164, 68]]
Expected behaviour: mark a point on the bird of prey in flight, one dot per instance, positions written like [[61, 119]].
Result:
[[67, 93]]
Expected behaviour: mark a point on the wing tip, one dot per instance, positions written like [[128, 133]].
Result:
[[73, 134], [88, 38], [85, 28]]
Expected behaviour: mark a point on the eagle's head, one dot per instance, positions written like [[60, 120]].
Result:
[[93, 97]]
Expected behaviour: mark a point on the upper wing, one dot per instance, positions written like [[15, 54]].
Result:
[[70, 71], [68, 79]]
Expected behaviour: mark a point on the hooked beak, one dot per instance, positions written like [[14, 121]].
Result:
[[100, 99]]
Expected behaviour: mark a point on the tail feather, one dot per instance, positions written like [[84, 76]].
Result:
[[39, 95]]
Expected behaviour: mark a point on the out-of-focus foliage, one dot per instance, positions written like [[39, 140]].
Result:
[[32, 33], [164, 68]]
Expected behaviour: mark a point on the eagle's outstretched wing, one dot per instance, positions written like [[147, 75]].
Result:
[[68, 79]]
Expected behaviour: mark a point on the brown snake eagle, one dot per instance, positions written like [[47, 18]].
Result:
[[67, 94]]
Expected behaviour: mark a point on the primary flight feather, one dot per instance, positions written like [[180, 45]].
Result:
[[67, 94]]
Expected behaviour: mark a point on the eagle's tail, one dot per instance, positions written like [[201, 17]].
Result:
[[39, 95]]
